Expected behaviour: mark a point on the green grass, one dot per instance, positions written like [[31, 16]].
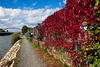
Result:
[[35, 45], [21, 41], [64, 65], [17, 59]]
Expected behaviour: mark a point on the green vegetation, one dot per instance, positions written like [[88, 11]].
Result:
[[14, 37], [29, 28], [17, 59], [24, 29], [49, 59], [2, 30], [35, 45]]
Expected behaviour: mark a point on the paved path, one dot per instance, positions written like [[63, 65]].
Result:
[[28, 56]]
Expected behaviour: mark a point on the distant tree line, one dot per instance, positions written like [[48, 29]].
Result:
[[1, 30]]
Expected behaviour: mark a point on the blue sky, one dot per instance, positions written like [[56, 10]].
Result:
[[31, 3], [16, 13]]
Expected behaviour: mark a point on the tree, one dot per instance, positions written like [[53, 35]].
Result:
[[29, 28], [7, 30], [1, 30], [24, 29]]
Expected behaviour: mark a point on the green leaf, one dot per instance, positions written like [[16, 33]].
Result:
[[95, 7], [91, 27], [98, 11], [89, 32], [86, 62], [97, 31], [84, 23], [98, 28], [95, 53], [80, 60], [97, 43], [99, 46], [98, 19], [97, 3]]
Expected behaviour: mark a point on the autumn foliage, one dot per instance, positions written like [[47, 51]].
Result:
[[66, 28]]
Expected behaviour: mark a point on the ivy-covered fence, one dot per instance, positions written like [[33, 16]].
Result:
[[66, 28]]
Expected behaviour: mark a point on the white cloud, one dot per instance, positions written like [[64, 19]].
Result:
[[4, 20], [60, 3], [2, 13], [34, 3], [17, 18], [64, 1], [27, 8]]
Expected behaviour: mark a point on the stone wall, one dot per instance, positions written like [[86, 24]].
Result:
[[63, 56], [8, 59]]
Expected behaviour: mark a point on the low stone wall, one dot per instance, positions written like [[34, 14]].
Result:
[[64, 57], [8, 59]]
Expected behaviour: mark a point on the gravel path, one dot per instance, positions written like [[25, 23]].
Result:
[[29, 57]]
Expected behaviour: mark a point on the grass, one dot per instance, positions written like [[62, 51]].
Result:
[[21, 41], [17, 59], [49, 59]]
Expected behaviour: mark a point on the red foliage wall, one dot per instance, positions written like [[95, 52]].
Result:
[[65, 27]]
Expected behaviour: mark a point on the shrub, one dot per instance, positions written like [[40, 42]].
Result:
[[14, 37]]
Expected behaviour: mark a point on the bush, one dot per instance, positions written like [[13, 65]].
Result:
[[14, 37], [24, 29]]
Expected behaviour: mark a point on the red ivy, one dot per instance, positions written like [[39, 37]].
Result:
[[63, 28]]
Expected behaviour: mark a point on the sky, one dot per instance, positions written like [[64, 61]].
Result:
[[16, 13]]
